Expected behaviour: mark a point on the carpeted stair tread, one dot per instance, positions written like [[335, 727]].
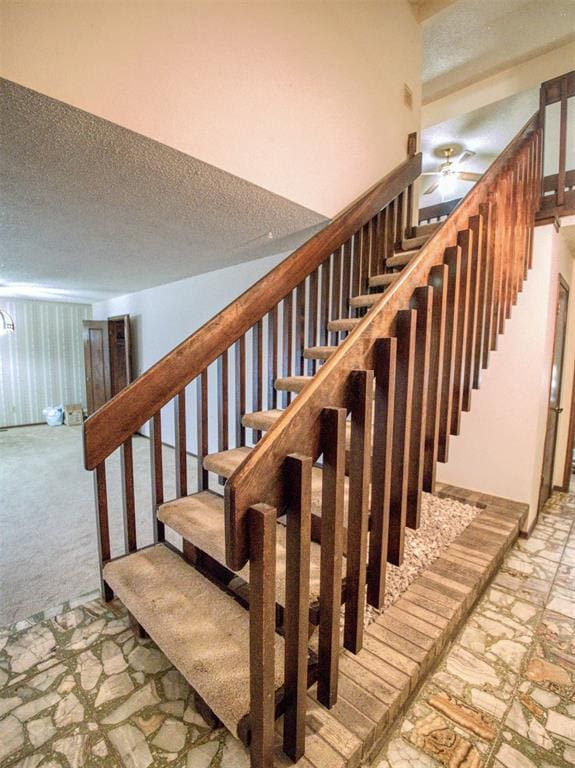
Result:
[[382, 281], [225, 462], [202, 630], [261, 420], [264, 420], [292, 383], [199, 519], [400, 259], [318, 353], [365, 300], [343, 324], [412, 243]]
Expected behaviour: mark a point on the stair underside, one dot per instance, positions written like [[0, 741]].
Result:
[[202, 630], [199, 519]]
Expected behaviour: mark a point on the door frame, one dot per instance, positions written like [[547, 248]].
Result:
[[128, 346], [561, 283], [570, 441]]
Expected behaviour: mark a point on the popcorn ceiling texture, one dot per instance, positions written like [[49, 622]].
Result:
[[135, 212]]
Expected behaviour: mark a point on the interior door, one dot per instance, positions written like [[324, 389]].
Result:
[[120, 352], [97, 363], [554, 394]]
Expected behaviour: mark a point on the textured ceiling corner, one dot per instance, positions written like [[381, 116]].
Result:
[[90, 206]]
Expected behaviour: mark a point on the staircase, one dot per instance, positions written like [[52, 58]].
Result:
[[335, 383]]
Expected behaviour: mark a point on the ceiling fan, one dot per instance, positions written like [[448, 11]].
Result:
[[449, 171]]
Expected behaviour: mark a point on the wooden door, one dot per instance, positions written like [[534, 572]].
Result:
[[97, 363], [554, 393], [120, 352]]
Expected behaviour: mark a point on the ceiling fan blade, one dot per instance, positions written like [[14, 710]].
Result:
[[431, 173], [467, 176], [430, 190], [465, 156]]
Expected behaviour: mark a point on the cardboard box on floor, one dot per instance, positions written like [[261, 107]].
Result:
[[73, 415]]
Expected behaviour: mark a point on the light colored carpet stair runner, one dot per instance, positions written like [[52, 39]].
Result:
[[202, 630]]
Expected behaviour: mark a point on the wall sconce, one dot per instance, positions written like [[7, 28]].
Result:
[[6, 323]]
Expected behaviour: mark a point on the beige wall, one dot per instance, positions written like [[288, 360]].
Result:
[[302, 98], [500, 447]]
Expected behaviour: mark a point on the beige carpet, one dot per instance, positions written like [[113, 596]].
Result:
[[48, 553], [47, 517]]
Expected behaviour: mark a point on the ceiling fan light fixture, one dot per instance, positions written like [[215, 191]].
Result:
[[6, 323], [447, 183]]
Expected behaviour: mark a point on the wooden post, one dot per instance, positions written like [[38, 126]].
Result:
[[422, 301], [385, 356], [405, 323], [361, 406], [465, 243], [102, 527], [181, 455], [453, 262], [333, 449], [297, 484], [438, 280], [475, 264], [262, 634], [157, 471], [202, 427], [128, 501]]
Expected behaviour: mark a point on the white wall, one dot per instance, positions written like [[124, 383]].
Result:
[[500, 448], [303, 98], [42, 362], [164, 316]]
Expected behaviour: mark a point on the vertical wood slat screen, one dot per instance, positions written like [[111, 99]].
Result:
[[42, 362]]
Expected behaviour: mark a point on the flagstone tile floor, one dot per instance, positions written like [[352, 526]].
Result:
[[78, 688], [503, 696]]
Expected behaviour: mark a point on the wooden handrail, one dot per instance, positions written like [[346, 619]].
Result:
[[298, 429], [121, 417]]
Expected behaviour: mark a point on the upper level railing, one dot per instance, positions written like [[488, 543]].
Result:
[[557, 115], [432, 214]]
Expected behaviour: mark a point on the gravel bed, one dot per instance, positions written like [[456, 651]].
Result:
[[442, 520]]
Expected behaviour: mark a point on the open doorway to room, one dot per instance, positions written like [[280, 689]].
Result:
[[554, 409], [569, 468]]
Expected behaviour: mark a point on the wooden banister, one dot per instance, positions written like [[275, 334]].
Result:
[[258, 478], [125, 414]]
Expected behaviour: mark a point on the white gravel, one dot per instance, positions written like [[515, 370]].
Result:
[[442, 520]]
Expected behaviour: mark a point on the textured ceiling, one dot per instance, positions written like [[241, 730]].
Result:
[[485, 131], [94, 210], [472, 39]]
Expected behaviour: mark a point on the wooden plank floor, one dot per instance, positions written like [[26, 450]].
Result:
[[406, 641]]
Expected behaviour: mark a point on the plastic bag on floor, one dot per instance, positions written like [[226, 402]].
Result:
[[54, 415]]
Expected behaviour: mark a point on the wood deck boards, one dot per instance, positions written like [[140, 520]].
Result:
[[404, 643]]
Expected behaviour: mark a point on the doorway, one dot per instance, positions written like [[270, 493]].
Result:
[[568, 485], [554, 409], [107, 358]]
